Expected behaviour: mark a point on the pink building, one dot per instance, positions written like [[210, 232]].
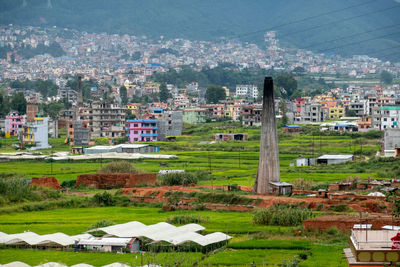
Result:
[[142, 130], [13, 123], [299, 103]]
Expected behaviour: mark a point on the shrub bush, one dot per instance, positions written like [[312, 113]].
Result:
[[303, 184], [68, 183], [187, 218], [105, 199], [179, 178], [102, 223], [14, 189], [283, 215], [332, 231], [119, 167], [339, 208]]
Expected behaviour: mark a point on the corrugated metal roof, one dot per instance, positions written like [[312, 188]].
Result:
[[336, 157]]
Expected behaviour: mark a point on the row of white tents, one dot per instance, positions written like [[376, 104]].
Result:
[[33, 239], [115, 234], [55, 264], [164, 232]]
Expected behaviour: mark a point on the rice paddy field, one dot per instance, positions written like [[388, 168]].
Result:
[[227, 163], [232, 162], [243, 249]]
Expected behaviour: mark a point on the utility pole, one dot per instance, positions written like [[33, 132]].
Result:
[[209, 161], [313, 151], [239, 157], [51, 161]]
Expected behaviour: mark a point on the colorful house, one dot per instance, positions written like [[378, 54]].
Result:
[[142, 130], [134, 108], [336, 113], [13, 123]]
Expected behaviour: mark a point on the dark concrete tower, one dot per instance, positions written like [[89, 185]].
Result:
[[80, 97], [268, 166]]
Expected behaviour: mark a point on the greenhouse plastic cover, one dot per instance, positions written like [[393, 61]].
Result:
[[160, 232], [164, 232], [33, 239]]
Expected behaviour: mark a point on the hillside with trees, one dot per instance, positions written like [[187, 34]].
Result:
[[319, 25]]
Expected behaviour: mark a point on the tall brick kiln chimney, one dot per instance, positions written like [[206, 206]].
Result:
[[268, 166], [80, 97]]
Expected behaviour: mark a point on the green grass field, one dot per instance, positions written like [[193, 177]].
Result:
[[238, 224]]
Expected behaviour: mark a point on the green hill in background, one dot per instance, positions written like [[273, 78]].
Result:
[[211, 19]]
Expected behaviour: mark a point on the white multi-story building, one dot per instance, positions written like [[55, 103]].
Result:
[[247, 90], [386, 117]]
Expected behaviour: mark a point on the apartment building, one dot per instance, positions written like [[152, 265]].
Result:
[[105, 119], [142, 130], [247, 90]]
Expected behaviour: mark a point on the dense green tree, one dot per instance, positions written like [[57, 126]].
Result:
[[350, 113], [4, 104], [164, 93], [215, 93], [298, 71], [227, 76], [44, 87], [53, 109], [123, 93], [136, 55], [386, 77], [286, 84], [86, 86], [282, 107], [18, 103]]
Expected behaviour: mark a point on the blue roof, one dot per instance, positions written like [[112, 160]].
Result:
[[344, 125], [145, 120], [149, 135]]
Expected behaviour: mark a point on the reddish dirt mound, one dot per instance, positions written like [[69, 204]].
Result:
[[356, 202], [346, 223], [45, 182], [116, 180]]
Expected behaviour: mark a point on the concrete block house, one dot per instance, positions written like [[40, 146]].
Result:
[[142, 130]]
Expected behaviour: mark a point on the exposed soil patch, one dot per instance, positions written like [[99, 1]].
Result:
[[45, 181]]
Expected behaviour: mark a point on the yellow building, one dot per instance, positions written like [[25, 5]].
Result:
[[336, 113], [227, 93], [133, 107], [129, 86], [229, 111]]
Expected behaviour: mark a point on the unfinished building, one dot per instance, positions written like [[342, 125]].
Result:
[[105, 119]]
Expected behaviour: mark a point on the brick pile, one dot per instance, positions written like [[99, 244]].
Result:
[[116, 180], [45, 181]]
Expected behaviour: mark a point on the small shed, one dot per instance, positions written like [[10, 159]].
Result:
[[334, 159], [300, 162], [280, 188], [109, 244], [123, 148], [223, 137], [292, 129], [77, 150]]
